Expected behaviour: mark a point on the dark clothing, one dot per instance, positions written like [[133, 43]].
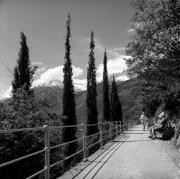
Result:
[[160, 127]]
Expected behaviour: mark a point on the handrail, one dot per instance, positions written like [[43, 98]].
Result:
[[67, 126], [92, 145], [89, 125], [37, 173], [118, 128], [92, 135], [59, 145], [54, 164], [21, 158], [21, 130]]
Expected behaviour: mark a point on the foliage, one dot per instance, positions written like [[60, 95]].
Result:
[[23, 72], [68, 134], [154, 45], [116, 109], [26, 111], [91, 101], [151, 96], [154, 49], [106, 102], [171, 102], [21, 111]]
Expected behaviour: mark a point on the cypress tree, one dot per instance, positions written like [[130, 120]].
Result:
[[15, 83], [116, 109], [23, 72], [92, 114], [106, 102], [68, 134]]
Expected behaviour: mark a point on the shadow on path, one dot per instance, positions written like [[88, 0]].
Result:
[[123, 139], [109, 157]]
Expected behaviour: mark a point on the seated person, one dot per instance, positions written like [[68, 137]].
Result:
[[159, 126]]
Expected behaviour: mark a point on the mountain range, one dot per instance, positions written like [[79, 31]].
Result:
[[128, 92]]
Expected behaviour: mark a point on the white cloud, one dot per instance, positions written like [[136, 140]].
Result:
[[115, 65], [80, 84], [122, 78], [37, 63], [55, 74], [5, 93], [50, 77], [131, 30]]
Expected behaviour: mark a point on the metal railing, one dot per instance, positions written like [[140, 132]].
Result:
[[114, 129]]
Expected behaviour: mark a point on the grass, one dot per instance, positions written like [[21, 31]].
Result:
[[173, 152]]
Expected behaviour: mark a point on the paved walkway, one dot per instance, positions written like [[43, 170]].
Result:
[[133, 156]]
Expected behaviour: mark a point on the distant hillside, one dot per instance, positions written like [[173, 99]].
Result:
[[128, 92]]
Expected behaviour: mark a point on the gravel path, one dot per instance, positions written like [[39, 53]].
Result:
[[134, 157]]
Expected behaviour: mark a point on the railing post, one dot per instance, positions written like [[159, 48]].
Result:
[[120, 122], [84, 143], [101, 132], [47, 151], [116, 129], [131, 123], [110, 132]]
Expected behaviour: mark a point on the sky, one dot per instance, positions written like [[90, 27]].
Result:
[[43, 22]]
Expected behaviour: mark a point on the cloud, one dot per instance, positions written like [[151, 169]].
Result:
[[122, 78], [114, 66], [131, 30], [40, 70], [116, 63], [5, 93], [80, 84], [55, 74], [37, 63], [52, 76]]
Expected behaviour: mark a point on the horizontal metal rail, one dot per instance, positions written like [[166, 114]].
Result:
[[54, 164], [60, 145], [21, 130], [36, 174], [92, 135], [92, 144], [68, 126], [90, 125], [115, 128], [21, 158]]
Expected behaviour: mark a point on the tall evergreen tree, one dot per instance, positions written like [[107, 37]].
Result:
[[116, 109], [68, 134], [23, 72], [106, 102], [92, 113], [16, 81]]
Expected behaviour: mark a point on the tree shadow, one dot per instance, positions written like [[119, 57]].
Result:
[[133, 141], [100, 155]]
